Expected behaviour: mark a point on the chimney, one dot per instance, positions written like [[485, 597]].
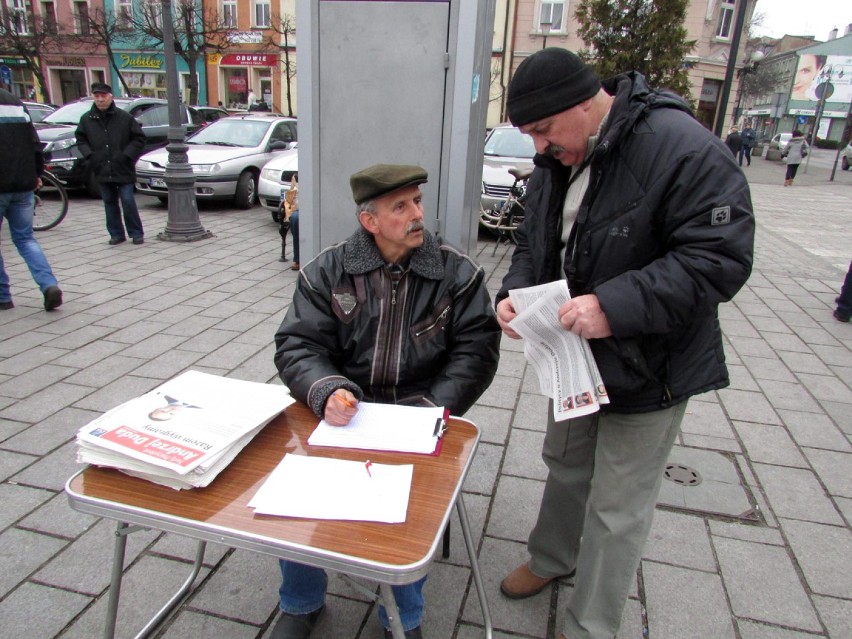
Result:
[[832, 35], [848, 29]]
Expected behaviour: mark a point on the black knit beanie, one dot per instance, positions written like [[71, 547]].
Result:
[[550, 81]]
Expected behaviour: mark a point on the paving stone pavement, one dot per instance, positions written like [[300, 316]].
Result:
[[135, 316]]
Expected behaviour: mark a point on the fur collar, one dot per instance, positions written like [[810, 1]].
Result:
[[362, 256]]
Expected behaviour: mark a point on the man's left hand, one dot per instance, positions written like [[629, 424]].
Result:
[[584, 316]]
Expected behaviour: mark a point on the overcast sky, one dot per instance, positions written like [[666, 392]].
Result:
[[808, 17]]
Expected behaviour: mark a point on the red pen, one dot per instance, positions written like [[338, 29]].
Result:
[[367, 465]]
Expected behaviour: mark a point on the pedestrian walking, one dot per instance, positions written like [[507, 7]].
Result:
[[21, 165], [641, 210], [290, 221], [111, 140], [749, 137], [795, 151], [844, 301], [734, 141]]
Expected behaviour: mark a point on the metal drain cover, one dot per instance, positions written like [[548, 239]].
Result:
[[683, 475]]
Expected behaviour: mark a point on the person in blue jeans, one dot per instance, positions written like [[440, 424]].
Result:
[[20, 170], [111, 140], [339, 344]]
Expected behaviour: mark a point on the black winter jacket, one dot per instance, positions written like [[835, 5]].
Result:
[[664, 234], [22, 160], [430, 339], [111, 141]]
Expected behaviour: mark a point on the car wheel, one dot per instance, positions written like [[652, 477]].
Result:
[[844, 163], [246, 190]]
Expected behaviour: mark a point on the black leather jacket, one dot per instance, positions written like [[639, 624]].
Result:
[[664, 234], [111, 141], [431, 338]]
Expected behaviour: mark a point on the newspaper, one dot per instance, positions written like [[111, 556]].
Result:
[[184, 432], [563, 361]]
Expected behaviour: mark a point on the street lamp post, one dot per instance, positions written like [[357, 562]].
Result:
[[545, 31], [729, 72], [182, 224]]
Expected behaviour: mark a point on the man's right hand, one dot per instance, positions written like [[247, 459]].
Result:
[[340, 407], [505, 314]]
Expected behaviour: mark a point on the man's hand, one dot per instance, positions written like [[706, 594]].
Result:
[[583, 316], [505, 314], [340, 407]]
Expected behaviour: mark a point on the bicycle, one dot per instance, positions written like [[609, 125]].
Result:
[[51, 203], [505, 219]]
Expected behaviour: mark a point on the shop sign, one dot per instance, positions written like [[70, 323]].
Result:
[[65, 61], [808, 112], [245, 37], [13, 62], [140, 61], [250, 59], [237, 83]]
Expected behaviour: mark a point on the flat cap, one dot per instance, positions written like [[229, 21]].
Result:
[[101, 87], [381, 179]]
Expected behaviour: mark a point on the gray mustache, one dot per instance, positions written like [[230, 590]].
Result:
[[414, 226]]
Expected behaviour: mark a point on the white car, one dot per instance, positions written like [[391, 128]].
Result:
[[505, 148], [226, 156], [275, 179]]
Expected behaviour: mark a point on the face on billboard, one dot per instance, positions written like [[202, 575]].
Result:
[[814, 70], [807, 73]]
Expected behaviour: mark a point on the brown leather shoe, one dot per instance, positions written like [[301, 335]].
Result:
[[522, 583]]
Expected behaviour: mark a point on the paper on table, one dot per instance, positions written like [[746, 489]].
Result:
[[322, 488], [406, 429]]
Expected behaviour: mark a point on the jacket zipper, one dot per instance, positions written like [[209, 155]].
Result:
[[440, 317]]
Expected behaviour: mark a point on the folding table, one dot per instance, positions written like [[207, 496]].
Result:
[[389, 554]]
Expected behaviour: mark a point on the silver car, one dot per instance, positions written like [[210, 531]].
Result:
[[505, 148], [226, 156]]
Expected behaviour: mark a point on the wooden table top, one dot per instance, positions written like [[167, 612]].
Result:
[[219, 512]]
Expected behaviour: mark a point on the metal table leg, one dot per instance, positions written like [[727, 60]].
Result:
[[474, 565], [392, 611]]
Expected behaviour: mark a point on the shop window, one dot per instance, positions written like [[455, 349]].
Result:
[[726, 20], [262, 13], [229, 13]]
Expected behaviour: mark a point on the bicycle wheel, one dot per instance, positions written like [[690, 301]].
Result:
[[51, 204]]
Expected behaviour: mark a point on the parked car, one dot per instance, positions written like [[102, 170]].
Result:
[[226, 156], [38, 111], [275, 179], [61, 155], [780, 141], [846, 157], [505, 148], [210, 114]]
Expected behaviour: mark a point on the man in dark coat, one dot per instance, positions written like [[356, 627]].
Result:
[[21, 165], [111, 140], [734, 141], [648, 218], [391, 315]]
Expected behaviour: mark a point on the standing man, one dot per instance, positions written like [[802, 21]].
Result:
[[251, 99], [749, 137], [391, 315], [734, 141], [648, 218], [111, 140], [21, 165]]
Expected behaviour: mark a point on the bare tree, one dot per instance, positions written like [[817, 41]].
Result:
[[103, 30], [283, 30], [29, 37], [197, 32]]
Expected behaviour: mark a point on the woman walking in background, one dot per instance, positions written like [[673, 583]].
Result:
[[795, 151]]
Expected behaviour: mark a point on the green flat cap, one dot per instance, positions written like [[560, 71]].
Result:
[[381, 179]]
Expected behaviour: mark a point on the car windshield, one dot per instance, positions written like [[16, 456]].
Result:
[[509, 142], [232, 132], [68, 114]]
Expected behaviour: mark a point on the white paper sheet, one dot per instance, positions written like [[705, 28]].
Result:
[[405, 429], [321, 488]]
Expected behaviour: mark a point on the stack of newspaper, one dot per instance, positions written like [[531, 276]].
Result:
[[566, 368], [183, 433]]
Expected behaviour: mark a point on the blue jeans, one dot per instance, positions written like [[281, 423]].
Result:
[[303, 591], [18, 209], [111, 193]]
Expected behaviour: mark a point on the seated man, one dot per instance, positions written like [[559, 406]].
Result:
[[391, 315]]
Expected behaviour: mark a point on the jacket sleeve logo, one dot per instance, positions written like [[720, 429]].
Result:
[[720, 215]]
